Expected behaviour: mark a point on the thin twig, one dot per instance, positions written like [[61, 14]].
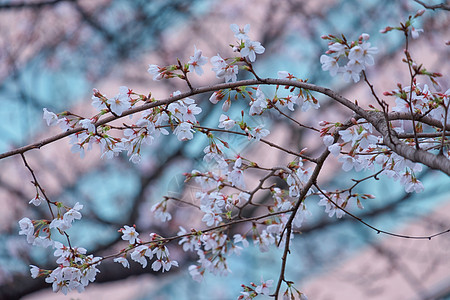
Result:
[[378, 231], [36, 183], [443, 5]]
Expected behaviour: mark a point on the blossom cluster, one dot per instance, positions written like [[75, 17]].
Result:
[[357, 56], [366, 151], [75, 269], [142, 252], [224, 191]]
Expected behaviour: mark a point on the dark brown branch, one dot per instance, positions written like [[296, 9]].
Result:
[[444, 6], [378, 231], [32, 5], [416, 155]]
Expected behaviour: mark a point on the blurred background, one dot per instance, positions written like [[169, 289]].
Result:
[[53, 53]]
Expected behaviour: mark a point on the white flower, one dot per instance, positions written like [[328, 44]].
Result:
[[225, 122], [363, 54], [43, 241], [328, 140], [293, 99], [87, 124], [263, 288], [365, 36], [284, 75], [259, 132], [211, 218], [338, 49], [73, 213], [258, 104], [191, 111], [415, 32], [251, 48], [348, 162], [130, 234], [155, 71], [335, 149], [139, 255], [329, 64], [135, 158], [367, 139], [240, 33], [160, 211], [197, 61], [216, 97], [97, 102], [184, 131], [121, 102], [195, 273], [27, 228], [34, 271], [123, 261], [302, 214], [330, 207], [236, 178], [36, 201], [50, 117], [223, 69], [411, 183]]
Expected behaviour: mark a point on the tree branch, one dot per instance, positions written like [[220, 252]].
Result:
[[32, 5], [443, 5], [438, 162]]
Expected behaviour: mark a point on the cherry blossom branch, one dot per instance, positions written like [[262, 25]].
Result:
[[442, 5], [303, 192], [428, 159], [295, 121], [36, 183], [384, 106], [273, 145], [442, 134], [225, 225], [257, 188], [409, 61], [378, 231], [181, 201], [32, 5], [441, 151]]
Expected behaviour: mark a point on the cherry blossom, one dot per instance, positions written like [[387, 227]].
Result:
[[140, 255], [36, 201], [27, 228], [130, 234], [160, 211], [251, 48], [259, 132], [156, 71], [121, 102], [50, 117], [223, 69], [415, 32], [87, 124], [363, 54], [330, 64], [196, 62], [258, 104], [263, 288], [221, 194], [184, 131], [123, 261], [34, 271], [240, 33], [225, 122]]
